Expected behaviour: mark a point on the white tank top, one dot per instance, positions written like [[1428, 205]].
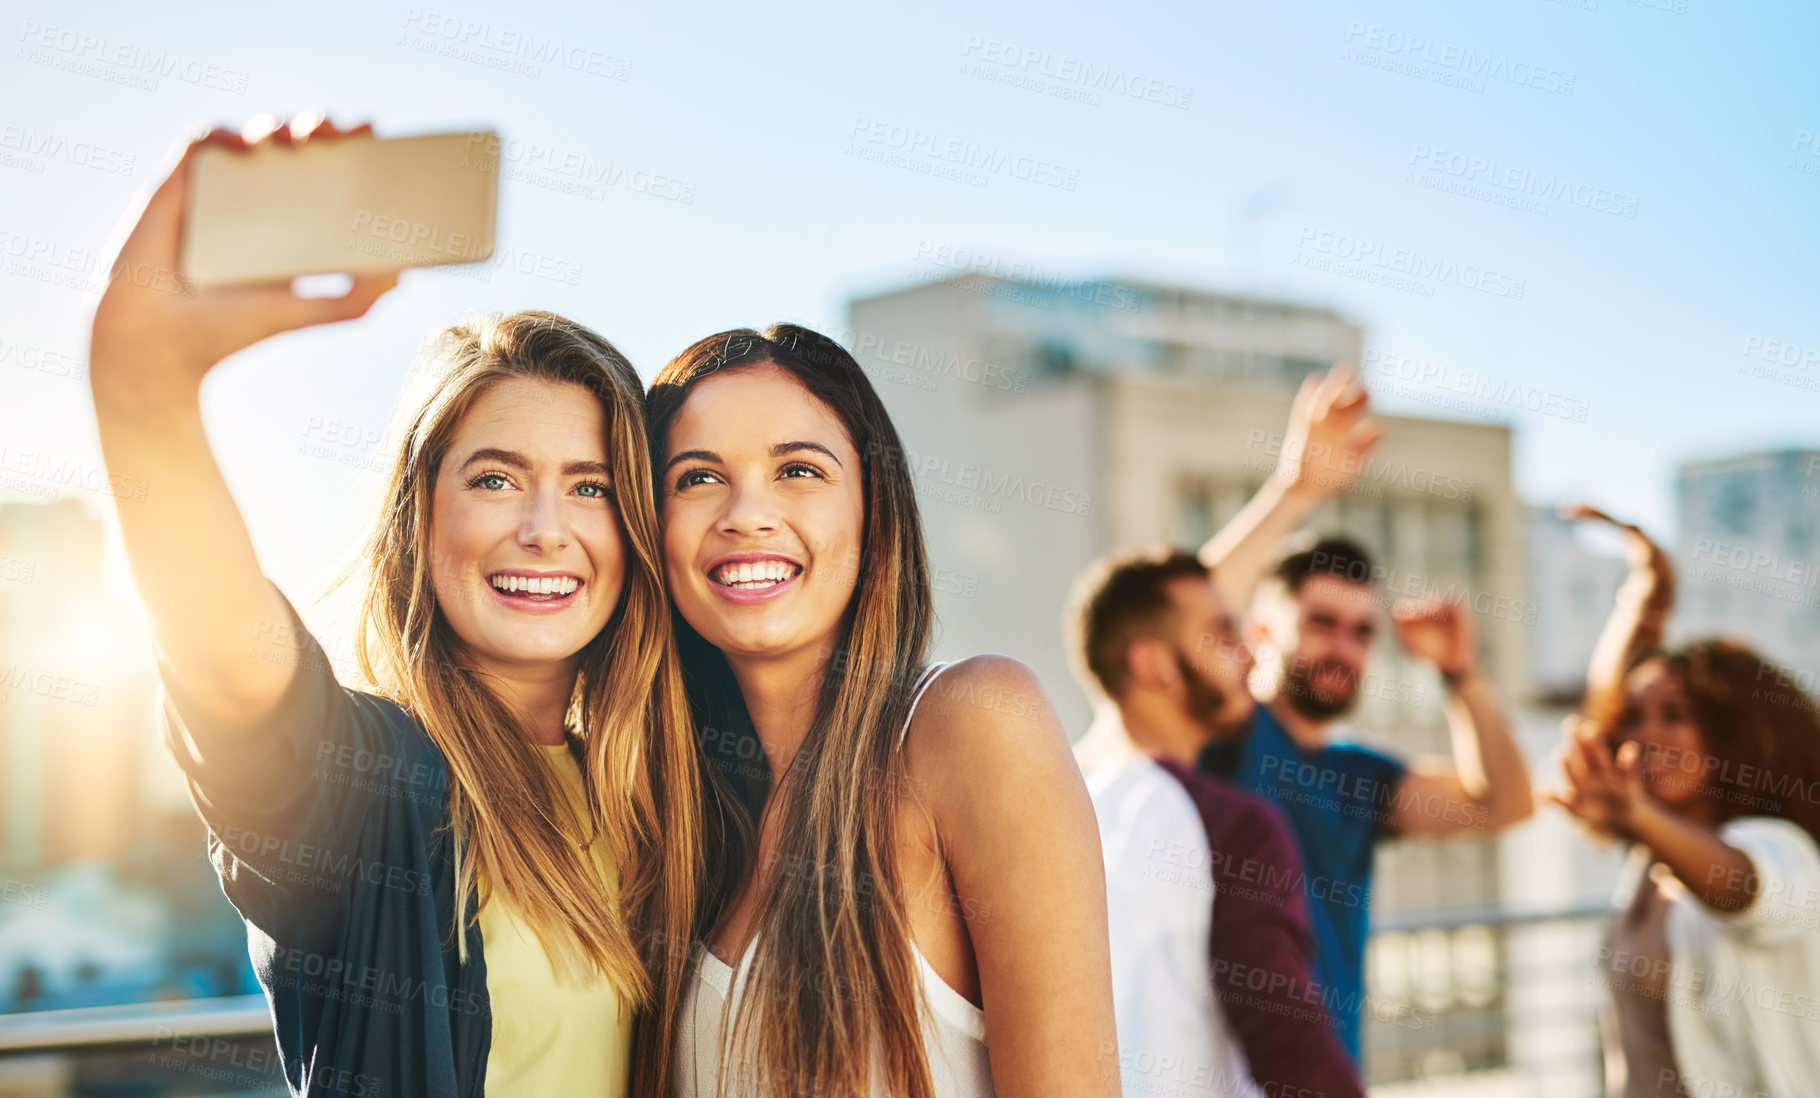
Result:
[[954, 1030]]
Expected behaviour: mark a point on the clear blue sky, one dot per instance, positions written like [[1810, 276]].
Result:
[[1301, 120]]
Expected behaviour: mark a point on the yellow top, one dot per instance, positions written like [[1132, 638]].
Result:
[[551, 1037]]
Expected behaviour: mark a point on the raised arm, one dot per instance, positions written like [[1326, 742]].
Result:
[[1485, 787], [155, 337], [1324, 450], [1017, 827], [1637, 619]]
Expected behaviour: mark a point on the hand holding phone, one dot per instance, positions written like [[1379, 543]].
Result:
[[155, 328]]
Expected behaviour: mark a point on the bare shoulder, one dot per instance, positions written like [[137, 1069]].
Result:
[[980, 717], [983, 694]]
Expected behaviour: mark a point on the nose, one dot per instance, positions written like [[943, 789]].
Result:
[[1352, 651], [543, 525], [751, 509], [1653, 736]]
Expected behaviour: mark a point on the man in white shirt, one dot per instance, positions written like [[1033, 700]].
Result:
[[1211, 946]]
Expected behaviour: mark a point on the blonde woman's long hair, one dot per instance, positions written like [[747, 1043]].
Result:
[[833, 978], [628, 708]]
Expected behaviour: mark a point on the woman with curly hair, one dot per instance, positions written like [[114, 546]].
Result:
[[1705, 760]]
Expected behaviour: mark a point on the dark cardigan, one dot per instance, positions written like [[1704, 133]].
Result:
[[329, 829]]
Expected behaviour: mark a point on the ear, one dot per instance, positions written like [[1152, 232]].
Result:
[[1148, 664]]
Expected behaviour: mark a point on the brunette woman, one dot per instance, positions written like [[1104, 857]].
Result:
[[1705, 759], [904, 892]]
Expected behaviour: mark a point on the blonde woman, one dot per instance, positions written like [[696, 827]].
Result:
[[905, 894], [457, 881]]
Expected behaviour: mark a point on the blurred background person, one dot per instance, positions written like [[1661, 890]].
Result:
[[1704, 759], [1204, 887], [1315, 621]]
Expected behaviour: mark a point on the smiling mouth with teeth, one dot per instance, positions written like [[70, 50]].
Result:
[[536, 588], [756, 575]]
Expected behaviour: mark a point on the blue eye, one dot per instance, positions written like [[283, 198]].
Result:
[[605, 491], [475, 483]]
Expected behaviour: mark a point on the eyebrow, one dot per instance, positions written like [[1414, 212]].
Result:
[[778, 450], [519, 461], [783, 448], [692, 455]]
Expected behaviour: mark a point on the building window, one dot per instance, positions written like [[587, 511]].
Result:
[[1194, 516], [1055, 357], [1736, 507]]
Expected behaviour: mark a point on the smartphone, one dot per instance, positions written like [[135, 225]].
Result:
[[340, 205]]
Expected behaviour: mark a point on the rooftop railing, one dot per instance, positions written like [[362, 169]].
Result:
[[1479, 1003]]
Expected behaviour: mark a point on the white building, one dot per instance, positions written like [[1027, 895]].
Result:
[[1047, 425], [1748, 551]]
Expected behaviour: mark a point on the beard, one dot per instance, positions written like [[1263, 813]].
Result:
[[1205, 701], [1301, 695]]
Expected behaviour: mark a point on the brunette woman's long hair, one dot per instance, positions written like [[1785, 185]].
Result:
[[1760, 730], [628, 709], [833, 998]]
